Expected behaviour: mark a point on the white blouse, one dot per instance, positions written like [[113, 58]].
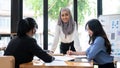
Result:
[[69, 38]]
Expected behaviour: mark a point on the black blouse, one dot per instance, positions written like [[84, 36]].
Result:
[[24, 49]]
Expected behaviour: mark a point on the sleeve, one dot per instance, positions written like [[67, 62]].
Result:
[[56, 38], [76, 40], [87, 51], [95, 48], [37, 51]]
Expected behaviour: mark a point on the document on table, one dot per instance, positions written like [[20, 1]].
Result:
[[59, 61], [63, 58], [56, 63], [118, 64], [79, 56]]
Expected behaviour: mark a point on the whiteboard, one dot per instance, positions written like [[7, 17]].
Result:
[[111, 25]]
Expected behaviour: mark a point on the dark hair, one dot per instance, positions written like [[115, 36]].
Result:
[[96, 27], [25, 25]]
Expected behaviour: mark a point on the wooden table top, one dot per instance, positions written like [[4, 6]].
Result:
[[69, 65]]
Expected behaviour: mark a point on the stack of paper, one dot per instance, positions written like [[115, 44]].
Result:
[[56, 63], [63, 58], [59, 61]]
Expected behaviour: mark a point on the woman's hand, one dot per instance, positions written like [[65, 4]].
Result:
[[82, 53], [69, 52], [50, 52], [2, 48]]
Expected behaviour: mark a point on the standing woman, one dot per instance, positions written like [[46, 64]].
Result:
[[66, 31], [100, 47]]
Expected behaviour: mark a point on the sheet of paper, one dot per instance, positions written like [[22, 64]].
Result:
[[79, 56], [63, 58], [118, 64], [56, 63]]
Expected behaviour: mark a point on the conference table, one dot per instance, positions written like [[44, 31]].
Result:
[[69, 65], [57, 64]]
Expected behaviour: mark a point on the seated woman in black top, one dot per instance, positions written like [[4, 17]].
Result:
[[24, 47]]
